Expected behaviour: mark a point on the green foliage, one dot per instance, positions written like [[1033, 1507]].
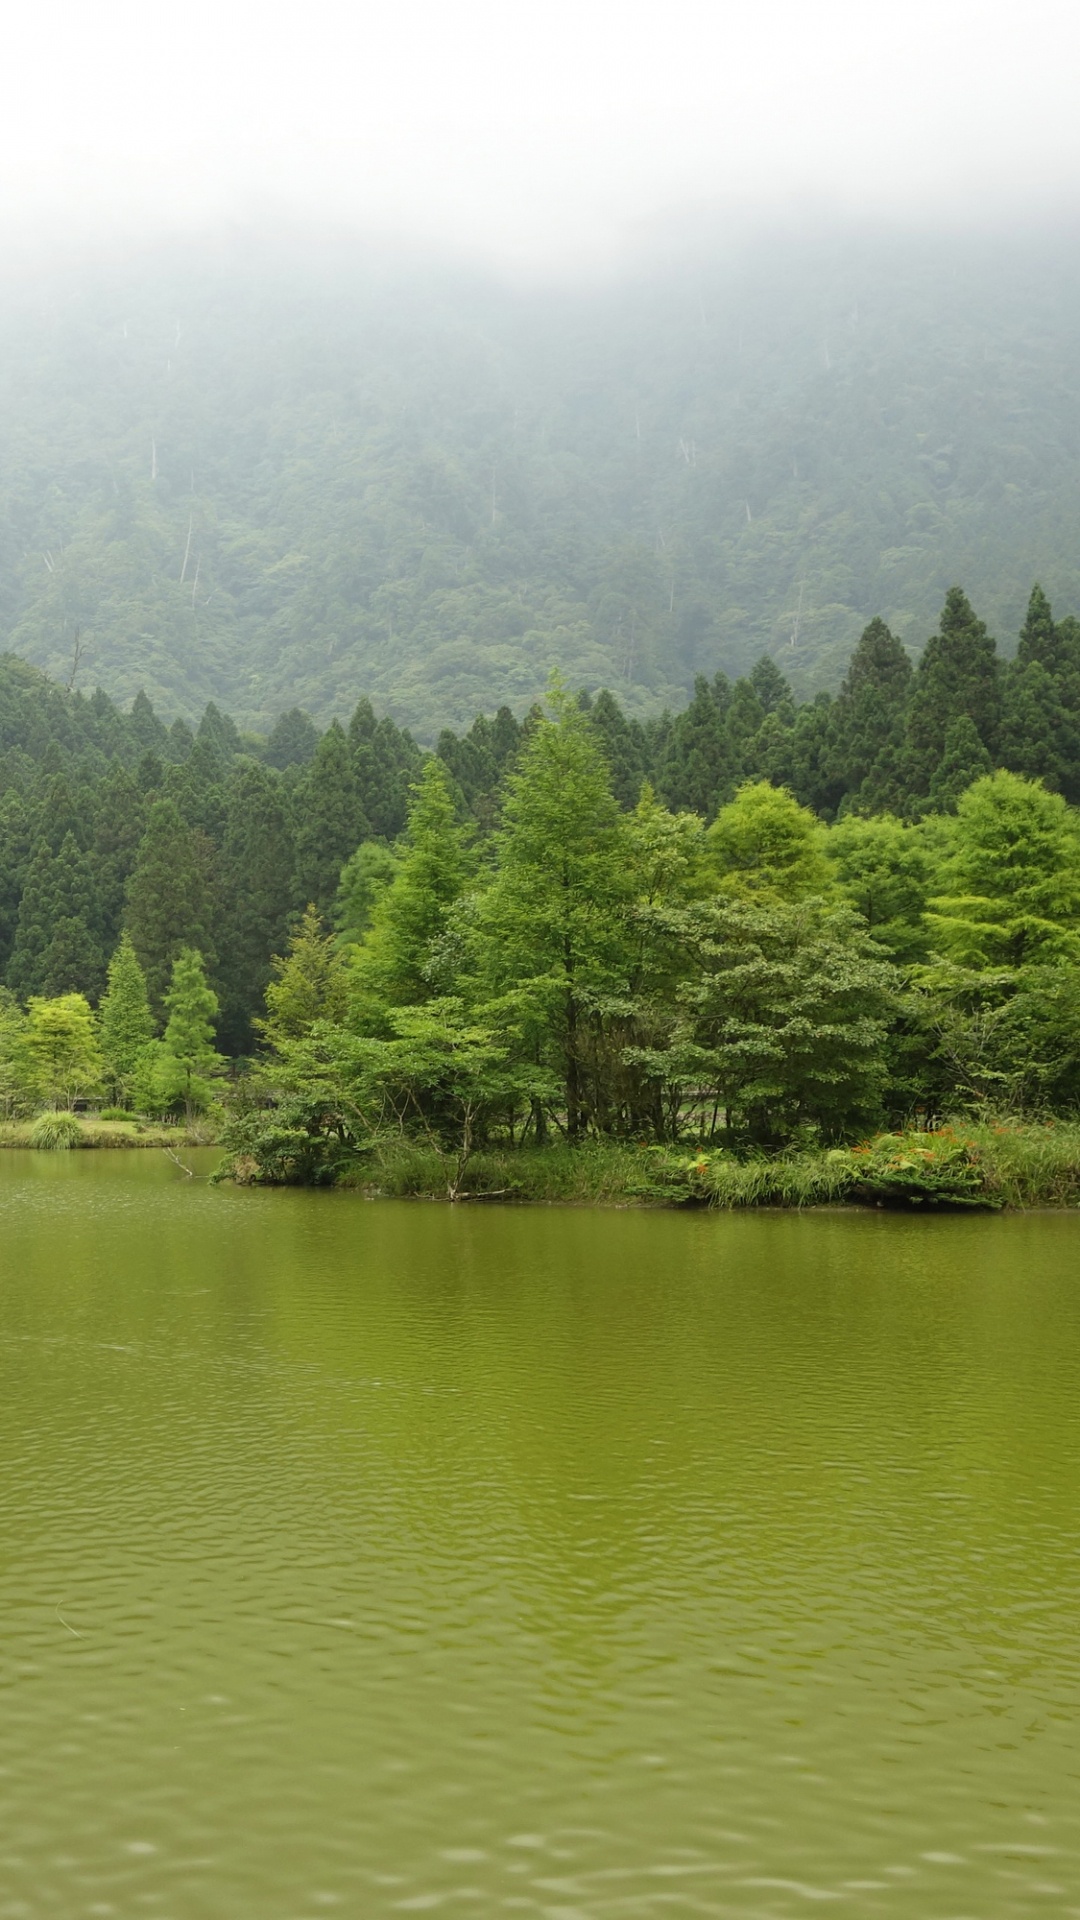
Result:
[[183, 1064], [63, 1058], [56, 1132], [1010, 889], [398, 960], [171, 897], [125, 1022], [782, 1021], [940, 1169], [549, 934], [308, 984], [765, 846]]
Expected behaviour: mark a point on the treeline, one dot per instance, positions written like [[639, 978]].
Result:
[[216, 841]]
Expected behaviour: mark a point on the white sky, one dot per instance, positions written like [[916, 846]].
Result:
[[537, 134]]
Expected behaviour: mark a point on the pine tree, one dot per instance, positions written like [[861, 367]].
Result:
[[57, 942], [1010, 890], [126, 1024], [119, 822], [393, 968], [171, 897], [963, 760], [257, 862], [551, 929], [330, 820], [695, 771], [308, 984], [187, 1059], [293, 740], [869, 713], [957, 676]]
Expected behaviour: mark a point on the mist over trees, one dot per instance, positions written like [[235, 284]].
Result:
[[278, 483]]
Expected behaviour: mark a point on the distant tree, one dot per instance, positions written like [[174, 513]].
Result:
[[171, 898], [330, 820], [958, 676], [293, 740], [364, 879], [257, 864], [550, 931], [393, 967], [869, 713], [964, 759]]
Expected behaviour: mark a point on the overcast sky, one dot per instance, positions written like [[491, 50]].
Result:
[[536, 134]]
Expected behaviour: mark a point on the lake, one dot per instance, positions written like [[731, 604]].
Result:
[[374, 1558]]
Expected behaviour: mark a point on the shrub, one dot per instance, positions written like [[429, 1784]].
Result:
[[56, 1131]]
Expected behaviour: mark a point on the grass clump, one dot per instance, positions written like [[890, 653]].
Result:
[[56, 1132]]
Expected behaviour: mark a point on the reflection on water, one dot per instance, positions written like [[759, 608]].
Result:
[[379, 1558]]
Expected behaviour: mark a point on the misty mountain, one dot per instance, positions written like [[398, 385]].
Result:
[[276, 476]]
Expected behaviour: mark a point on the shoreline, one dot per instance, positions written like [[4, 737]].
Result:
[[960, 1166]]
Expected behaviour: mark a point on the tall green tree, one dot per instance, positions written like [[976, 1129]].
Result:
[[62, 1051], [330, 820], [958, 675], [125, 1022], [186, 1061], [172, 898], [1010, 890], [257, 862], [396, 964], [551, 927]]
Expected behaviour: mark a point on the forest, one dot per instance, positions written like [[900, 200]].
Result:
[[271, 475], [754, 921]]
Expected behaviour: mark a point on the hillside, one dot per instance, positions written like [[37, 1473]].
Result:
[[275, 477]]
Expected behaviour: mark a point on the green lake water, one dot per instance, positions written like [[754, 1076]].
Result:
[[373, 1558]]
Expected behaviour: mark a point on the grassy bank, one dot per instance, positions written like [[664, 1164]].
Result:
[[86, 1130], [984, 1166]]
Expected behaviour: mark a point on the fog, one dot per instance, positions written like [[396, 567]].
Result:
[[537, 138]]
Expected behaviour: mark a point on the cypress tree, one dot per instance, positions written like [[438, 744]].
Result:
[[958, 674], [188, 1059], [869, 713], [171, 897], [963, 761], [293, 740], [330, 820], [695, 772], [257, 861], [392, 967], [125, 1023]]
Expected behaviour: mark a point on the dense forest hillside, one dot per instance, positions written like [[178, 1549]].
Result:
[[274, 476]]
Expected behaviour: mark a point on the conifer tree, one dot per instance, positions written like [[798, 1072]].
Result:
[[57, 946], [171, 897], [958, 675], [963, 760], [869, 712], [393, 967], [308, 983], [696, 770], [187, 1059], [330, 820], [1009, 893], [257, 863], [125, 1022], [550, 929], [293, 740]]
